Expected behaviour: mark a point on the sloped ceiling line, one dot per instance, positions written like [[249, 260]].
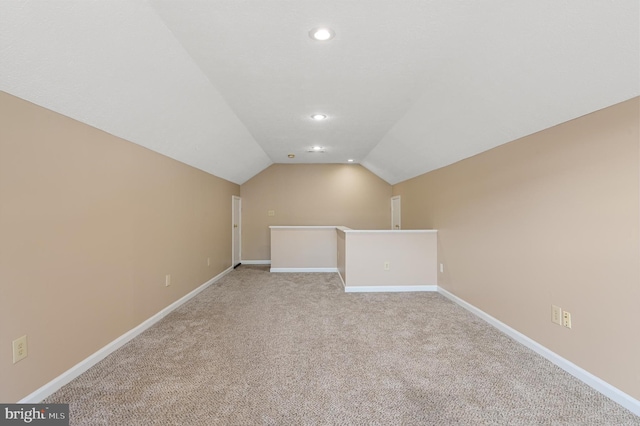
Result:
[[115, 66], [409, 86]]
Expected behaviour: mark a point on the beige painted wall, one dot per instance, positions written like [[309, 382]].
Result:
[[552, 218], [304, 247], [311, 194], [411, 255], [89, 226]]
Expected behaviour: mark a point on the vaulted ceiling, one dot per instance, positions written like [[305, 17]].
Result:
[[228, 86]]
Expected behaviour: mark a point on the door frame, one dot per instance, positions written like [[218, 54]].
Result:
[[235, 262]]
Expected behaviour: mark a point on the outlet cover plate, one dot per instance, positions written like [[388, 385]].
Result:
[[566, 319], [20, 348]]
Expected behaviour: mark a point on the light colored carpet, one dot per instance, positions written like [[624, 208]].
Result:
[[293, 349]]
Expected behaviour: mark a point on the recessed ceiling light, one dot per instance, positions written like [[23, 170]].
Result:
[[319, 117], [291, 156], [316, 148], [321, 34], [350, 160]]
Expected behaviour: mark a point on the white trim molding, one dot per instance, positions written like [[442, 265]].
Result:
[[255, 262], [388, 288], [390, 231], [66, 377], [303, 227], [615, 394], [304, 270]]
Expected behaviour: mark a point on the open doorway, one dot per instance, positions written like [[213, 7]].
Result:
[[395, 213], [236, 222]]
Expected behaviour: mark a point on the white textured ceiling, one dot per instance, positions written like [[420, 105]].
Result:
[[409, 85]]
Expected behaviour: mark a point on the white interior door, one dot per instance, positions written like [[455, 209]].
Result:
[[395, 212], [236, 222]]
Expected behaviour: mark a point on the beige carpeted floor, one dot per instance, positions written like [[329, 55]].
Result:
[[258, 348]]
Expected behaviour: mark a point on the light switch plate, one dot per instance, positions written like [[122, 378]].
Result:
[[556, 314]]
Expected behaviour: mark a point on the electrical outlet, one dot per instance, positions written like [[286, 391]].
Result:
[[208, 261], [167, 280], [271, 212], [556, 315], [387, 266], [20, 348], [566, 319], [442, 267]]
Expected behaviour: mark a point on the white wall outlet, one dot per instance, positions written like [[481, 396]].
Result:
[[566, 319], [271, 212], [20, 348], [167, 280], [556, 315], [208, 261], [387, 266], [442, 267]]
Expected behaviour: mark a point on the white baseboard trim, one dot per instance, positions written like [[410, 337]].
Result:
[[304, 269], [389, 288], [255, 262], [55, 384], [596, 383]]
